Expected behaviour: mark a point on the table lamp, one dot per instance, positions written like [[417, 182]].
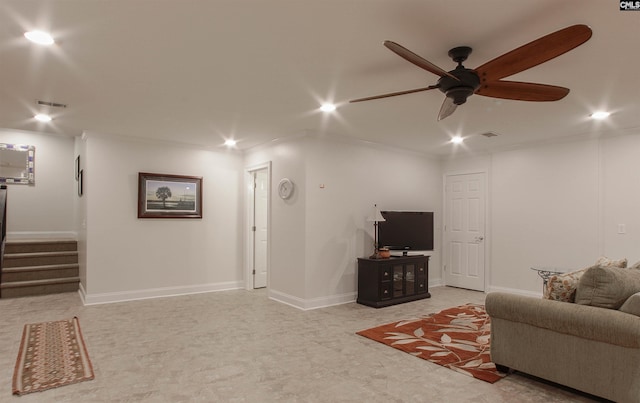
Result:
[[376, 218]]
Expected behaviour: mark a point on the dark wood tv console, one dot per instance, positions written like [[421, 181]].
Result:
[[384, 282]]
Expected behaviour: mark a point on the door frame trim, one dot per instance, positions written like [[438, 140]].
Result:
[[247, 222], [487, 223]]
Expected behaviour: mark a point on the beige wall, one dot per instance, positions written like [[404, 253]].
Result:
[[549, 205], [48, 205], [320, 232], [620, 195], [544, 207], [287, 218], [128, 257], [558, 205]]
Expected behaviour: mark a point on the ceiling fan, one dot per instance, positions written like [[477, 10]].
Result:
[[461, 82]]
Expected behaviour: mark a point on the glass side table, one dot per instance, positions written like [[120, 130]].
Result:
[[545, 273]]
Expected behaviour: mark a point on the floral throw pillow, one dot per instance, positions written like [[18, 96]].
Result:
[[605, 262], [562, 287]]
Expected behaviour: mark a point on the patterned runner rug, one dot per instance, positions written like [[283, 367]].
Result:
[[51, 354], [457, 338]]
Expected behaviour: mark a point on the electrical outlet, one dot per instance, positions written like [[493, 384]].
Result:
[[622, 229]]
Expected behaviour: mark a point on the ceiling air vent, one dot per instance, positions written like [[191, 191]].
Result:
[[50, 104], [490, 134]]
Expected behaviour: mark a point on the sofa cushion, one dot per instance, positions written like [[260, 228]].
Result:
[[632, 305], [607, 287]]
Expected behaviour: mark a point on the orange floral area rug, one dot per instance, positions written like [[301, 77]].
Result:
[[457, 338], [51, 354]]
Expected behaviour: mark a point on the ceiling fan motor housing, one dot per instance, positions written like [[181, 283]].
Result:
[[459, 90]]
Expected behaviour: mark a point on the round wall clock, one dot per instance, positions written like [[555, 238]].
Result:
[[285, 188]]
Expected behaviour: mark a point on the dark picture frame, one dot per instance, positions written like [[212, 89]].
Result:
[[77, 167], [169, 196], [81, 183]]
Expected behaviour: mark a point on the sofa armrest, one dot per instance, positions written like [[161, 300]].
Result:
[[593, 323]]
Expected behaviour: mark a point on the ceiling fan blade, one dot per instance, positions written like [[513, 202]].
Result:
[[393, 94], [534, 53], [447, 108], [417, 60], [522, 91]]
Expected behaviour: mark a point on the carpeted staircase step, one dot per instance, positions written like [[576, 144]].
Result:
[[39, 266], [39, 287], [40, 245], [39, 258], [29, 273]]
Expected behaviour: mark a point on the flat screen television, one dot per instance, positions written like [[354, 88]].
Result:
[[406, 230]]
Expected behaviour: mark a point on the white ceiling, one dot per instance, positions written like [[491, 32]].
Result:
[[199, 72]]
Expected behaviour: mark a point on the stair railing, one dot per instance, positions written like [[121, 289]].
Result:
[[3, 224]]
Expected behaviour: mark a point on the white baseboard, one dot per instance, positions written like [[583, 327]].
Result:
[[314, 303], [122, 296], [21, 235], [81, 292], [435, 282], [299, 303]]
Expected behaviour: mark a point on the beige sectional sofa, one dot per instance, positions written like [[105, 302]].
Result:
[[592, 344]]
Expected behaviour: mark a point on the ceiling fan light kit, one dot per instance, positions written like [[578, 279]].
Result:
[[461, 82]]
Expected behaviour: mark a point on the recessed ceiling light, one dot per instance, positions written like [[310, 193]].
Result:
[[39, 37], [328, 107], [43, 117], [457, 140], [600, 115], [230, 143]]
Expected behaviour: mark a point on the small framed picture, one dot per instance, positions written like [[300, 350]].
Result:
[[169, 196]]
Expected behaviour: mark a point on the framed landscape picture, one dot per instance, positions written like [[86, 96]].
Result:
[[169, 196]]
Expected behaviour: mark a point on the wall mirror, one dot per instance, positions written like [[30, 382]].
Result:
[[16, 163]]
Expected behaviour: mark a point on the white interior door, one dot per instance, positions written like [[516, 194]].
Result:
[[464, 232], [260, 233]]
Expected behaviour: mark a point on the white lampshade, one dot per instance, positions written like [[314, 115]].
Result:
[[377, 216]]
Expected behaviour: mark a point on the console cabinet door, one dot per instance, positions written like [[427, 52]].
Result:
[[386, 286], [421, 277], [409, 279], [398, 281]]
